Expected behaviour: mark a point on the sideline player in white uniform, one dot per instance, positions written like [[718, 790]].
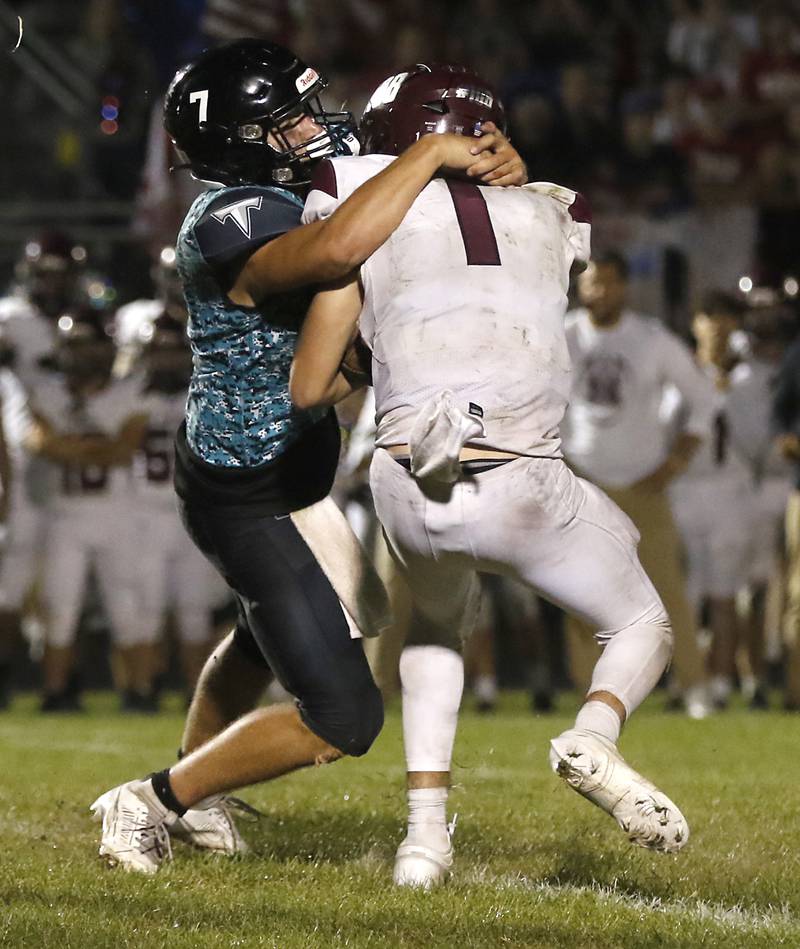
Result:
[[88, 428], [713, 499], [47, 276], [768, 327], [133, 322], [463, 309], [171, 569], [15, 424]]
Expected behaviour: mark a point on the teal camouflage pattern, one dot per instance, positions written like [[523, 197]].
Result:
[[239, 412]]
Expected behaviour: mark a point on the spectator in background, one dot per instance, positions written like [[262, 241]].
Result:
[[770, 76], [531, 119], [225, 20], [583, 137], [708, 39], [719, 157], [613, 434], [651, 175], [777, 193]]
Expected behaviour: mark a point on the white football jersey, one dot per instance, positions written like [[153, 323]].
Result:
[[16, 416], [30, 335], [720, 458], [614, 432], [468, 295], [750, 414], [154, 465], [103, 413]]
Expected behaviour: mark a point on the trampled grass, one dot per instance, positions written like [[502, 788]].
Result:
[[537, 866]]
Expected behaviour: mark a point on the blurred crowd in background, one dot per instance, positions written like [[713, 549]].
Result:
[[679, 121]]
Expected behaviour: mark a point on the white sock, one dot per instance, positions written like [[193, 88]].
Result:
[[427, 816], [601, 719], [433, 680]]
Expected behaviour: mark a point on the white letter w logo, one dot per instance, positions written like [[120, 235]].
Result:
[[240, 212]]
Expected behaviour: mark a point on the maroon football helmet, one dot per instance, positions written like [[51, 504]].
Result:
[[426, 99]]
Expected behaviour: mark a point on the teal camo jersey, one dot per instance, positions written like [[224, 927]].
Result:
[[239, 413]]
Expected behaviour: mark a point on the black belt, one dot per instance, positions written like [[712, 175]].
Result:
[[470, 466]]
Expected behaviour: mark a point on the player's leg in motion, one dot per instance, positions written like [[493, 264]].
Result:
[[293, 614], [566, 539], [588, 563], [446, 597]]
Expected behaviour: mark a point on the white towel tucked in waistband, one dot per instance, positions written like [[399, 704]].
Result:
[[440, 431], [345, 563]]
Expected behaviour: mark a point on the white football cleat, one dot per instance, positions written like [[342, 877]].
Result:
[[134, 827], [420, 866], [211, 826], [592, 766], [425, 864]]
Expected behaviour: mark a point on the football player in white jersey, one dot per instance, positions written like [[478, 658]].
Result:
[[768, 329], [133, 321], [172, 571], [88, 428], [463, 310], [713, 498], [47, 276], [249, 466], [15, 423]]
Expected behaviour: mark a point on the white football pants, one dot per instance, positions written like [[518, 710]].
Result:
[[531, 519]]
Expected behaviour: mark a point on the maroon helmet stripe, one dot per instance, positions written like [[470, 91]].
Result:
[[324, 179], [579, 210], [475, 223]]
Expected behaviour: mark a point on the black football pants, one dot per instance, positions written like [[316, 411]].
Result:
[[290, 617]]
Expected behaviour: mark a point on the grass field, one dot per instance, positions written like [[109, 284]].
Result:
[[537, 866]]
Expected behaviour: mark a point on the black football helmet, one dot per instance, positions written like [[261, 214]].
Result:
[[427, 99], [229, 109]]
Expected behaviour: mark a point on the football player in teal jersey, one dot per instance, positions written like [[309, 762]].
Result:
[[247, 118]]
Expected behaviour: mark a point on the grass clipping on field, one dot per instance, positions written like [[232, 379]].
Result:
[[536, 865]]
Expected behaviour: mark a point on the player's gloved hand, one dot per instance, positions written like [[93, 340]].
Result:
[[498, 162]]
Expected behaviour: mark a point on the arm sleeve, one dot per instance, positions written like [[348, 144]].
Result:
[[678, 368], [786, 398], [241, 220], [579, 236], [323, 196]]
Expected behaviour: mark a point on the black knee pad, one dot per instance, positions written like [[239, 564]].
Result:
[[350, 722]]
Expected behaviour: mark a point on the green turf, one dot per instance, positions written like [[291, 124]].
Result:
[[536, 865]]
